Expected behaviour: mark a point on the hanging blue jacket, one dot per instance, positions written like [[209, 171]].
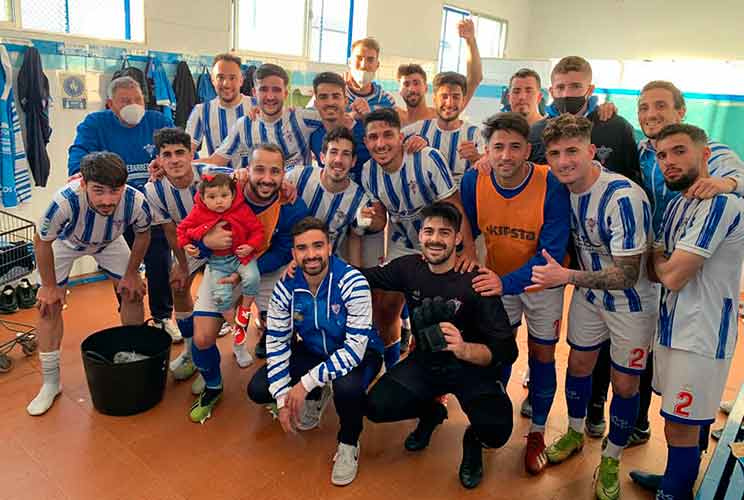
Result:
[[334, 323], [164, 95], [204, 89]]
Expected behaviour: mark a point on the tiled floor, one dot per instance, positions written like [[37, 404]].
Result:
[[74, 452]]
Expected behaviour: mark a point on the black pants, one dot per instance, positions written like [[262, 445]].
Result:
[[409, 390], [601, 384], [349, 391], [157, 271]]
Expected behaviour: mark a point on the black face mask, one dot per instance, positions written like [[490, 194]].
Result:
[[570, 105]]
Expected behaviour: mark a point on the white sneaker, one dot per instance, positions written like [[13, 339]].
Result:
[[345, 464], [242, 355], [226, 328], [198, 385], [170, 328], [183, 366], [312, 411]]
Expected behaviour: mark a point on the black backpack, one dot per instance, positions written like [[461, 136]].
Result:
[[137, 75]]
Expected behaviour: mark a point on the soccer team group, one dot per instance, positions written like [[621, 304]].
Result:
[[316, 226]]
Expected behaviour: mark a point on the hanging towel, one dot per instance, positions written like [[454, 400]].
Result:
[[15, 178], [164, 95], [204, 88], [185, 91], [33, 95]]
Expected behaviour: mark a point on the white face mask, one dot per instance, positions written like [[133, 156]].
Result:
[[132, 114], [363, 78]]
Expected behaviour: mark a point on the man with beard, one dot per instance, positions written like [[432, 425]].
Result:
[[462, 340], [262, 193], [210, 121], [571, 88], [697, 259], [404, 184], [320, 336], [334, 198], [88, 216], [613, 300], [457, 140], [525, 95], [289, 129], [412, 79], [522, 209]]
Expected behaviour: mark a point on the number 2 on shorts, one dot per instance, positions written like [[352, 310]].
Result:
[[684, 400]]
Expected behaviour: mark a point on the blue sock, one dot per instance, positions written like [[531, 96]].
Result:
[[391, 355], [578, 392], [208, 362], [186, 325], [623, 415], [542, 389], [505, 374], [680, 474]]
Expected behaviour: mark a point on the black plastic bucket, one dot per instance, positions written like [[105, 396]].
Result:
[[126, 388]]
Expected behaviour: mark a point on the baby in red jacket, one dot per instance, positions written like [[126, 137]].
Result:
[[219, 199]]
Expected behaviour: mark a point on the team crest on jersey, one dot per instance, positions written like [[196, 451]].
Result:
[[603, 154], [591, 224], [297, 316], [336, 308], [151, 149], [413, 187]]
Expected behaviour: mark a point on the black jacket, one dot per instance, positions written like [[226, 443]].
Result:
[[185, 90], [33, 94]]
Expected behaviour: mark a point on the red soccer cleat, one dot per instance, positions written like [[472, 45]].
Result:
[[535, 459]]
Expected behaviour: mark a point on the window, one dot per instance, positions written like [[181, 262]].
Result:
[[108, 19], [283, 26], [490, 33], [5, 11]]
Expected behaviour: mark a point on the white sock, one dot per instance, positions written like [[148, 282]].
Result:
[[242, 355], [187, 343], [612, 450], [576, 424], [50, 387]]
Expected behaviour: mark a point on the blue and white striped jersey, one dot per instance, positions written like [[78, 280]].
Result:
[[171, 204], [291, 132], [447, 142], [210, 122], [613, 219], [70, 219], [338, 210], [702, 316], [335, 323], [422, 179], [723, 162], [378, 98]]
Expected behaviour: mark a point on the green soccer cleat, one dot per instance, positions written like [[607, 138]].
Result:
[[607, 486], [565, 446], [202, 408]]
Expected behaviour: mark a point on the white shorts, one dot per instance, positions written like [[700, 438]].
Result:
[[690, 385], [112, 259], [629, 333], [205, 306], [373, 249], [543, 311]]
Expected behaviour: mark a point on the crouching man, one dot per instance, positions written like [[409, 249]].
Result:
[[319, 334], [88, 217]]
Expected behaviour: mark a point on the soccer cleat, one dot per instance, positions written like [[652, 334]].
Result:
[[535, 459], [26, 294], [202, 408], [471, 467], [595, 429], [198, 385], [421, 435], [646, 480], [565, 446], [183, 367], [170, 328], [8, 300], [637, 437], [526, 409], [607, 482], [345, 464], [313, 411]]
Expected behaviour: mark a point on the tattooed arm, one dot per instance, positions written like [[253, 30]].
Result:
[[624, 274]]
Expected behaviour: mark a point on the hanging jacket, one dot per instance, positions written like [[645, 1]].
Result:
[[137, 75], [248, 74], [185, 92], [163, 91], [204, 88], [33, 94], [15, 179]]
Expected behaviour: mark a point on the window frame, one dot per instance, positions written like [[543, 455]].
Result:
[[448, 9], [307, 34], [15, 23]]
